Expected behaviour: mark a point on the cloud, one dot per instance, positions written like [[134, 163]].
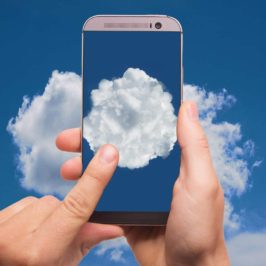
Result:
[[247, 249], [40, 119], [257, 163], [115, 247], [34, 130], [230, 155], [128, 112]]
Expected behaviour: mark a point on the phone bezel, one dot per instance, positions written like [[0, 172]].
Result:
[[131, 23]]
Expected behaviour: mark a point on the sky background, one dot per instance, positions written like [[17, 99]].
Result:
[[158, 54], [224, 47]]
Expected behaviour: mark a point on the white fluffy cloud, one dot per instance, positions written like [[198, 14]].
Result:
[[40, 119], [34, 130], [248, 249], [128, 112]]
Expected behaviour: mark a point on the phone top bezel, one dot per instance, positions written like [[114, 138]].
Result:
[[134, 23]]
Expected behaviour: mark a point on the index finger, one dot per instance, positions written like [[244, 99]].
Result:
[[69, 140], [81, 201]]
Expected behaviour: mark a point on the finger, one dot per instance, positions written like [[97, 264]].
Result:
[[34, 214], [72, 169], [16, 207], [43, 208], [69, 140], [81, 201], [139, 236], [196, 158], [91, 234]]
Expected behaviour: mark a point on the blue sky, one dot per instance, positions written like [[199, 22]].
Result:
[[224, 47]]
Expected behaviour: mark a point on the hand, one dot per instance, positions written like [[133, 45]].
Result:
[[47, 231], [195, 234], [194, 231]]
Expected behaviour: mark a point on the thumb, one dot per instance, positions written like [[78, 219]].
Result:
[[80, 202], [196, 160]]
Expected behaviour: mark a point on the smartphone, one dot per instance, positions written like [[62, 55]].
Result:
[[132, 89]]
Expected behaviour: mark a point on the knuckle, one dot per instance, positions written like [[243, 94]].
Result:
[[213, 188], [49, 199], [31, 198], [95, 178], [202, 141], [76, 205], [177, 186]]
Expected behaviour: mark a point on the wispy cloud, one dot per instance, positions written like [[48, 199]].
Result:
[[40, 119], [257, 163], [116, 249], [230, 154]]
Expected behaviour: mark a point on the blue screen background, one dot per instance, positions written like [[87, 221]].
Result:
[[107, 55]]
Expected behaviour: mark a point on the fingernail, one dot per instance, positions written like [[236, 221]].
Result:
[[192, 111], [107, 154]]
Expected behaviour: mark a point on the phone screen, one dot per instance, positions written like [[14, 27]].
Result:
[[131, 98]]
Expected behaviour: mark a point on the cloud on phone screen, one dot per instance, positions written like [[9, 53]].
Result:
[[134, 113]]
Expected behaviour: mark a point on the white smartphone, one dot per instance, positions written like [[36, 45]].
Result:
[[132, 89]]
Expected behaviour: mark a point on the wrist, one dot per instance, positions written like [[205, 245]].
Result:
[[217, 257]]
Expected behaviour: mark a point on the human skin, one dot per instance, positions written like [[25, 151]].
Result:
[[194, 232], [48, 231]]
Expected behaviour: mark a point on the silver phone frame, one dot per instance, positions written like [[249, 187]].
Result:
[[138, 219]]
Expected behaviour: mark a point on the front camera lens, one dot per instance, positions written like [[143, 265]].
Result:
[[158, 25]]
